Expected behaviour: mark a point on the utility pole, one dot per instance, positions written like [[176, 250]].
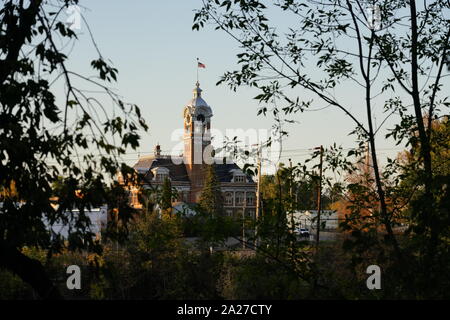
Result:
[[319, 198], [258, 196], [291, 182], [243, 221], [292, 207]]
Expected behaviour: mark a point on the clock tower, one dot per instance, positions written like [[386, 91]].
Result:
[[198, 150]]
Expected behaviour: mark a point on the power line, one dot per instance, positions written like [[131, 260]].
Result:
[[300, 151]]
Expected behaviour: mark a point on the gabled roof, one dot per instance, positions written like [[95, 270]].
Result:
[[224, 171], [177, 172], [143, 164]]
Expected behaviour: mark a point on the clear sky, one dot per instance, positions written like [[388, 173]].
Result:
[[155, 50]]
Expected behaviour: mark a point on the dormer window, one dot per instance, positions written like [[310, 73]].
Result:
[[238, 176], [160, 174]]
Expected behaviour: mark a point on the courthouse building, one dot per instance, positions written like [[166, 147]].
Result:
[[187, 172]]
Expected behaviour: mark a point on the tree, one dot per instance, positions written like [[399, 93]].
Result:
[[299, 188], [42, 140], [166, 196], [389, 61], [210, 222], [211, 199]]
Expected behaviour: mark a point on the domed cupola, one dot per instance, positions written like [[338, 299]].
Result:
[[197, 109]]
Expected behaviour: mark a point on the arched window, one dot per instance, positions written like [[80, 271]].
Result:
[[228, 196], [239, 198], [251, 198], [201, 118]]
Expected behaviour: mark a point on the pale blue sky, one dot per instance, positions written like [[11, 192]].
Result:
[[152, 45]]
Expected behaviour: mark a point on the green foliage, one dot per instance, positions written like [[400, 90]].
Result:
[[299, 188], [13, 288], [211, 200], [396, 217], [157, 263], [166, 195], [257, 278], [43, 140], [335, 39]]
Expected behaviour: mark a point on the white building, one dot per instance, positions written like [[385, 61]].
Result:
[[97, 216], [308, 219]]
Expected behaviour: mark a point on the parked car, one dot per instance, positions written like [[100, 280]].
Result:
[[302, 232]]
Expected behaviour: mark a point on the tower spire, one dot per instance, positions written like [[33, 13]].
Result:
[[197, 91]]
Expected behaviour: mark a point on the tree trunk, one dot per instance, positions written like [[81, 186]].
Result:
[[29, 270], [427, 209]]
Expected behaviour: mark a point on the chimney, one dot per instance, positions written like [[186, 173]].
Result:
[[158, 151]]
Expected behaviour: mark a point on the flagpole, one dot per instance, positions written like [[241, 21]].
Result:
[[197, 69]]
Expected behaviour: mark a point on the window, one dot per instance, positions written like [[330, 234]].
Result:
[[161, 177], [229, 212], [160, 174], [228, 198], [239, 178], [239, 198], [250, 198]]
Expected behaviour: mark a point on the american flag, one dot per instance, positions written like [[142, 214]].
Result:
[[200, 65]]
